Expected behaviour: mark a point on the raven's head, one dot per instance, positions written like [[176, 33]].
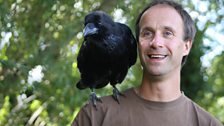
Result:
[[97, 23]]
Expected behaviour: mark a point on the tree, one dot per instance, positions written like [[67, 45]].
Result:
[[214, 95]]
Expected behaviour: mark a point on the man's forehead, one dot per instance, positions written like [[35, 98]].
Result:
[[161, 14], [162, 9]]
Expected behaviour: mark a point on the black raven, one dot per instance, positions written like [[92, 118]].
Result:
[[109, 49]]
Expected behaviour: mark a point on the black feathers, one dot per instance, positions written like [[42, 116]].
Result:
[[108, 51]]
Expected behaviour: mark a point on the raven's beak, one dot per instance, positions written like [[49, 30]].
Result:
[[90, 29]]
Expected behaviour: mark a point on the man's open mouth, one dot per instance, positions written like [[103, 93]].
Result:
[[156, 56]]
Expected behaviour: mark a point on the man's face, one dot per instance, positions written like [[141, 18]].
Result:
[[161, 44]]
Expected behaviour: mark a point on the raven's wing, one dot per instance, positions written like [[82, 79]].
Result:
[[130, 42], [81, 59], [91, 64], [124, 52], [82, 56]]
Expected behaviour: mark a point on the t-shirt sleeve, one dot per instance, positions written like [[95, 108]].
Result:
[[89, 115], [82, 119], [205, 118], [216, 122]]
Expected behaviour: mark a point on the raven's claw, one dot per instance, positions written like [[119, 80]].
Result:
[[94, 99], [116, 94]]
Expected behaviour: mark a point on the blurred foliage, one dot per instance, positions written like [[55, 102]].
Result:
[[46, 35], [214, 97]]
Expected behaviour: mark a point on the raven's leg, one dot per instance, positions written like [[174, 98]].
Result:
[[116, 94], [94, 98]]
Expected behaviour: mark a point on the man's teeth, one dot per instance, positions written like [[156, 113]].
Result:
[[157, 56]]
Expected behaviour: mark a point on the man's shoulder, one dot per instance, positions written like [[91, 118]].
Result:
[[203, 116], [123, 96], [109, 102]]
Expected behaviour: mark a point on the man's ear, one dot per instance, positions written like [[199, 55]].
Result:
[[187, 47]]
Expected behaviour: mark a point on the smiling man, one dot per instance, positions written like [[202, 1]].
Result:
[[165, 34], [162, 47]]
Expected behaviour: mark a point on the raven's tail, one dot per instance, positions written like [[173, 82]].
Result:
[[80, 85]]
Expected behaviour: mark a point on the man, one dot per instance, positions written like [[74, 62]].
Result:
[[165, 34]]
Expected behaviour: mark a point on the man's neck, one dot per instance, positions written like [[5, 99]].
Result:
[[162, 90]]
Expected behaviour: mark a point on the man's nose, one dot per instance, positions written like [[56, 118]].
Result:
[[157, 41]]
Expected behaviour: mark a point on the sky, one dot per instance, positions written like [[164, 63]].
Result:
[[214, 32]]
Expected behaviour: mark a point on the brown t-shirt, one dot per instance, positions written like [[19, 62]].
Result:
[[136, 111]]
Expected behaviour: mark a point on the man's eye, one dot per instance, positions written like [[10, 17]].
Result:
[[147, 34], [168, 34]]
